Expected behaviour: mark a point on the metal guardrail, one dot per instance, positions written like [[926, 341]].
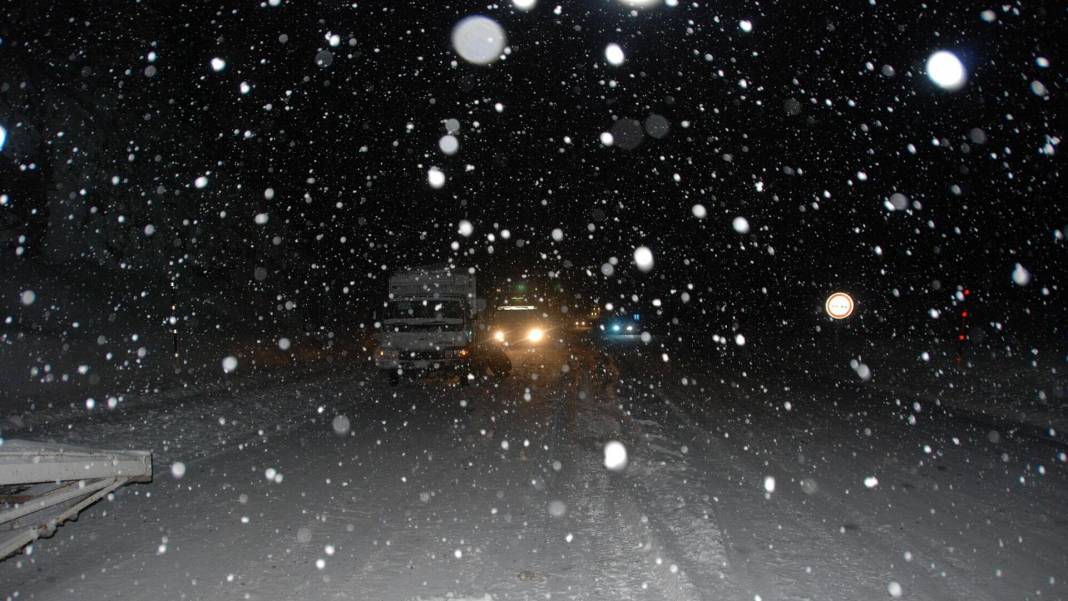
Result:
[[43, 485]]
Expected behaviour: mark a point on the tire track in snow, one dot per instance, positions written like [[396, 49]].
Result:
[[871, 559], [615, 528], [725, 566], [759, 564]]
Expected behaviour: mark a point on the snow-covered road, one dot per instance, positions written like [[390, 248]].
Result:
[[332, 485]]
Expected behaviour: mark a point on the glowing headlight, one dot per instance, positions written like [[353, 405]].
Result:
[[498, 336], [535, 335], [615, 327]]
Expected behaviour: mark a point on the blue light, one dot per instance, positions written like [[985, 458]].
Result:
[[3, 136], [615, 327]]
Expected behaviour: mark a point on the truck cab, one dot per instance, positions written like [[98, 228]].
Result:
[[428, 323]]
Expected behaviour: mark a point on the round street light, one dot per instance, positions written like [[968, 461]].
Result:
[[839, 305]]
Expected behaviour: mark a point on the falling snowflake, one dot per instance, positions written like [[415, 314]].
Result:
[[946, 70], [478, 40], [614, 54], [229, 364], [435, 177], [643, 258], [615, 456]]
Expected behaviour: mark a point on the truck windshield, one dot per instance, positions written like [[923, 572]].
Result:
[[511, 318], [425, 309]]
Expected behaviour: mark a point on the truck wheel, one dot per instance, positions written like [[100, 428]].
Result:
[[503, 366], [499, 363]]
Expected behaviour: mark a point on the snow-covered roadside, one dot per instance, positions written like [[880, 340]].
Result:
[[824, 491], [45, 377], [1029, 391], [339, 487], [78, 342], [189, 424], [420, 492], [1004, 387]]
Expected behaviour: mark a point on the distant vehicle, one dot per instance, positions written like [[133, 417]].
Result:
[[584, 322], [519, 326], [620, 327], [429, 322]]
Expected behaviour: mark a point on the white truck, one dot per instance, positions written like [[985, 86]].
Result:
[[428, 322]]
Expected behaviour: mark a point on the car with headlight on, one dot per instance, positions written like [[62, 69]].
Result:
[[519, 326], [582, 324], [620, 327]]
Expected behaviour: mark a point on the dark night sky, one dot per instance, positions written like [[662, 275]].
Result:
[[356, 139]]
